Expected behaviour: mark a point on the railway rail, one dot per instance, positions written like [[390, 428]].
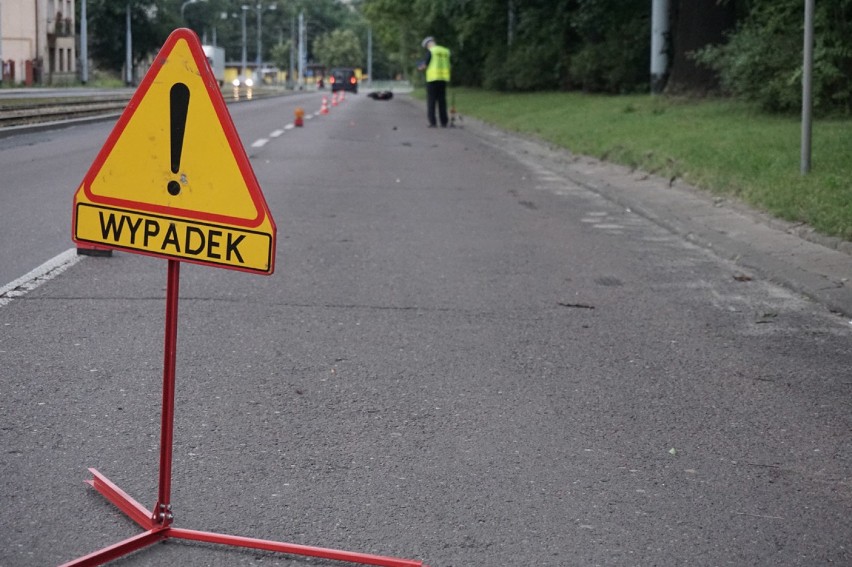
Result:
[[38, 111], [16, 112]]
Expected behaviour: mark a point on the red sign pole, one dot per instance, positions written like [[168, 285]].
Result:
[[163, 509], [157, 523]]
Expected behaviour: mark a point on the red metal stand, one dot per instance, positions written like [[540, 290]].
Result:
[[158, 523]]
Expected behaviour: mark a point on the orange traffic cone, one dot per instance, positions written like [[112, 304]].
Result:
[[324, 107], [334, 99], [299, 117], [340, 99]]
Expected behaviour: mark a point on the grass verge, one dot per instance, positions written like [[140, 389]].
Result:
[[723, 146]]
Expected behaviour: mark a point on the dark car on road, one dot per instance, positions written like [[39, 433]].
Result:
[[343, 79]]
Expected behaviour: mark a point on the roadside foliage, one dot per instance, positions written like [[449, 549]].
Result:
[[751, 49]]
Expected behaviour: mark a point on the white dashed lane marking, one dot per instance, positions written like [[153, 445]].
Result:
[[38, 276], [259, 143]]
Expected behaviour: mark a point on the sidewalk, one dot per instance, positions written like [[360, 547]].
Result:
[[793, 256]]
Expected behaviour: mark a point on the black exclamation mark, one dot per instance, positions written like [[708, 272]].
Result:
[[178, 106]]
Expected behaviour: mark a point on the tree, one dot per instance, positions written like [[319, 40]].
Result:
[[223, 19], [280, 55], [695, 25], [339, 48], [612, 51], [762, 60], [150, 25], [395, 25], [604, 45]]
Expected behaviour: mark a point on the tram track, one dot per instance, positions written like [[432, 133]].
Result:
[[38, 111], [16, 113]]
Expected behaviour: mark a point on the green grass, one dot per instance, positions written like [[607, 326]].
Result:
[[725, 147]]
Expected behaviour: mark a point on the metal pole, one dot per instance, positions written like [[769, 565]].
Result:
[[510, 31], [84, 44], [659, 50], [162, 511], [370, 57], [290, 82], [128, 56], [259, 60], [3, 63], [807, 87], [301, 46], [243, 71]]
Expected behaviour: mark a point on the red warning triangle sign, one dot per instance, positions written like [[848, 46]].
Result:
[[175, 154]]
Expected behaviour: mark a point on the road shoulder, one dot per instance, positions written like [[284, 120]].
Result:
[[791, 255]]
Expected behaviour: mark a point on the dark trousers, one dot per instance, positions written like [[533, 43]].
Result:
[[436, 94]]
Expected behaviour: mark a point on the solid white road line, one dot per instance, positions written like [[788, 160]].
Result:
[[35, 278]]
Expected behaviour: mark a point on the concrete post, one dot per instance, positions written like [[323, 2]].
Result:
[[259, 58], [244, 60], [807, 87], [659, 44], [301, 48], [128, 54], [370, 57], [84, 44]]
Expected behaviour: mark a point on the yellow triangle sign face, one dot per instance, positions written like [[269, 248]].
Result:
[[173, 179]]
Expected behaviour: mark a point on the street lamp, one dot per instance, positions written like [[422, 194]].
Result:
[[84, 46], [243, 70], [187, 3], [259, 59], [128, 47]]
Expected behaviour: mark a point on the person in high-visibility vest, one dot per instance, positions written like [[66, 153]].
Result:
[[437, 67]]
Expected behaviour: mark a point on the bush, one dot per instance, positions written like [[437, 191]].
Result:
[[762, 60], [613, 56], [533, 66]]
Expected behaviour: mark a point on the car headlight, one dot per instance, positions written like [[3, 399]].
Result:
[[249, 82], [235, 82]]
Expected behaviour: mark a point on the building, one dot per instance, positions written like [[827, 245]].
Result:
[[38, 43]]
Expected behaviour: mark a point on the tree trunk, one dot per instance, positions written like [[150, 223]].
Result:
[[696, 24]]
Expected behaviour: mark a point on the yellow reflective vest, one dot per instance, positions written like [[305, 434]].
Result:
[[439, 64]]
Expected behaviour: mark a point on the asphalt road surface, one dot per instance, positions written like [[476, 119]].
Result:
[[462, 358]]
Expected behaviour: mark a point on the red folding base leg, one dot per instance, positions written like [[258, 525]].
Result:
[[157, 523], [157, 532]]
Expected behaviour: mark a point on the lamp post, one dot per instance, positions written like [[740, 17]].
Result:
[[301, 48], [185, 4], [807, 88], [2, 64], [128, 54], [659, 36], [84, 44], [259, 57], [243, 70], [290, 83]]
